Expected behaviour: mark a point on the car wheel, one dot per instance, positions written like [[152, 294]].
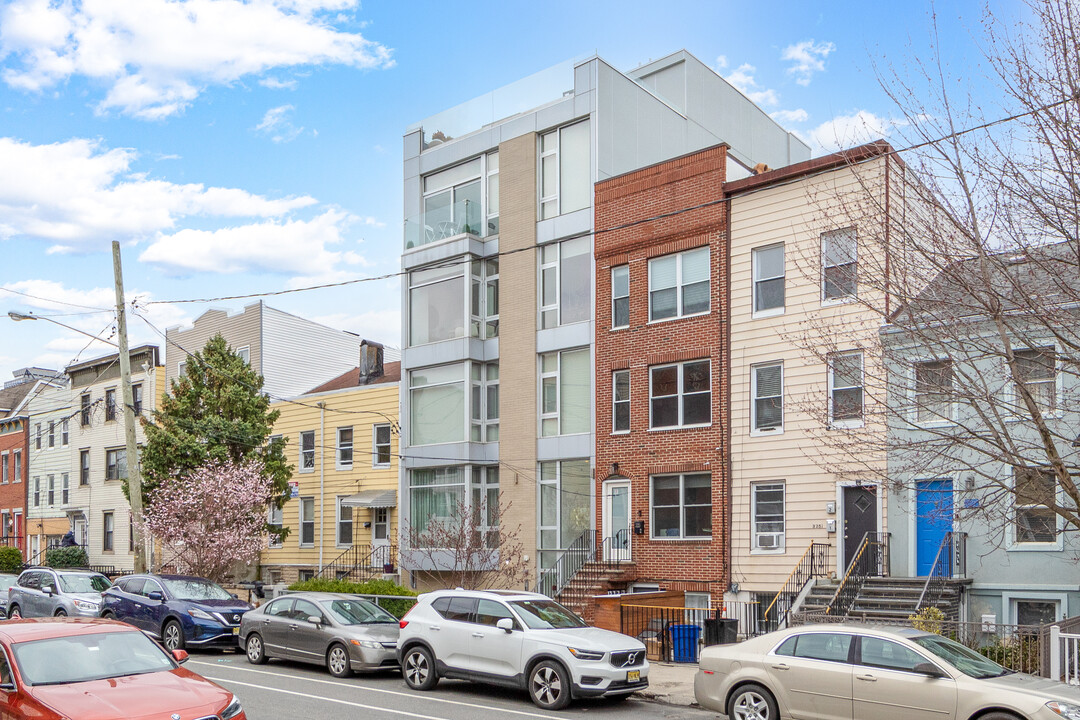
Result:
[[337, 661], [418, 667], [172, 636], [256, 653], [752, 702], [549, 686], [14, 612], [60, 612], [109, 615]]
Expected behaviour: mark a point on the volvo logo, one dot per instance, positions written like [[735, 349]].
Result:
[[630, 659]]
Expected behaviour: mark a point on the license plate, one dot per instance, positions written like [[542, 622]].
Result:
[[633, 675], [236, 631]]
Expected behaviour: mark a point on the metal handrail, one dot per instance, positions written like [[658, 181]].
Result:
[[588, 557], [871, 560], [813, 563], [365, 560], [950, 560]]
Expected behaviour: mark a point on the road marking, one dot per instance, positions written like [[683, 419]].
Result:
[[354, 686]]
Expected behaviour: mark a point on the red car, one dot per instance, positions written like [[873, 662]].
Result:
[[93, 669]]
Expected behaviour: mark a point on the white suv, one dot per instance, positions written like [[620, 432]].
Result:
[[517, 639]]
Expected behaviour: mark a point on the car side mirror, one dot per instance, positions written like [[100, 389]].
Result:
[[47, 589], [930, 670], [235, 596], [156, 595], [180, 656], [314, 619], [505, 624]]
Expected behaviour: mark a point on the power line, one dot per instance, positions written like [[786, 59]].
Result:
[[51, 300]]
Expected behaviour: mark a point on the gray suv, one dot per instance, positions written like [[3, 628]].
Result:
[[44, 592]]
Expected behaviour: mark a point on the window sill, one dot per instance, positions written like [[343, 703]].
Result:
[[310, 546], [620, 432], [381, 465], [670, 428], [846, 424], [761, 314], [680, 317], [620, 327], [770, 551], [772, 432], [1036, 547], [306, 471], [343, 467], [845, 300], [703, 539]]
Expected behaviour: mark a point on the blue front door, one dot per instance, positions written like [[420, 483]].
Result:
[[934, 518]]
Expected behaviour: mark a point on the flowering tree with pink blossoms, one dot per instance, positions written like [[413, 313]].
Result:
[[212, 518]]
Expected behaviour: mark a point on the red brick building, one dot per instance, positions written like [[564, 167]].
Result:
[[662, 432], [14, 451]]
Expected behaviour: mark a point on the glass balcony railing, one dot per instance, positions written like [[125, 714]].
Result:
[[460, 218]]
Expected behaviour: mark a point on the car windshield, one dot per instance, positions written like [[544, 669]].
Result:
[[963, 659], [546, 615], [84, 583], [196, 590], [80, 658], [357, 612]]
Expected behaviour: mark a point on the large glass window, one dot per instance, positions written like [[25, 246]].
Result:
[[768, 269], [933, 391], [768, 515], [565, 282], [846, 387], [485, 506], [452, 202], [1034, 493], [484, 401], [1036, 370], [435, 496], [565, 392], [679, 284], [680, 395], [682, 506], [565, 510], [484, 298], [620, 296], [839, 264], [565, 180], [620, 401], [437, 304], [767, 397], [437, 404]]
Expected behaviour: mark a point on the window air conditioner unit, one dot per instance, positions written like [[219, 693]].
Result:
[[769, 541]]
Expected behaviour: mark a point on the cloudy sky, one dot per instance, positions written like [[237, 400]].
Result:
[[248, 146]]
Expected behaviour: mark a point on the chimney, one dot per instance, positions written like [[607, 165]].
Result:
[[371, 361], [761, 168]]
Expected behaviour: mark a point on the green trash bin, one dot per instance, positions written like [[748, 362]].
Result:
[[684, 640]]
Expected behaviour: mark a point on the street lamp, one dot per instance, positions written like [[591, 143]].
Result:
[[18, 317]]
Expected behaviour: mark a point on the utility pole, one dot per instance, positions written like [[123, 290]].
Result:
[[134, 472]]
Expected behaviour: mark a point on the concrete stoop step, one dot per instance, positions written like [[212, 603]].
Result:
[[882, 599]]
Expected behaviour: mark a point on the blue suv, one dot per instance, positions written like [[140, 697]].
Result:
[[179, 609]]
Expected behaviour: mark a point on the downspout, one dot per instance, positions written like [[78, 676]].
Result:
[[322, 479], [725, 339], [888, 244]]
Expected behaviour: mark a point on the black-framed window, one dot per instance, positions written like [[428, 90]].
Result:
[[115, 464], [84, 410], [680, 394], [137, 398], [84, 467], [110, 404]]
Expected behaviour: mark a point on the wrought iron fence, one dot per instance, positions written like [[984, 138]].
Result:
[[589, 557], [815, 562], [677, 634]]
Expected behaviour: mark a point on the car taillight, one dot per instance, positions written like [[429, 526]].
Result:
[[402, 623]]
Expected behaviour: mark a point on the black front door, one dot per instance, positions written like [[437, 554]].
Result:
[[860, 517]]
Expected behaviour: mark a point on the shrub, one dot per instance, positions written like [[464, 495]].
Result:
[[397, 608], [11, 559], [1019, 653], [66, 557], [929, 619]]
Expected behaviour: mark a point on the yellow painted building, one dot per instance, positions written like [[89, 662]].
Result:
[[342, 442]]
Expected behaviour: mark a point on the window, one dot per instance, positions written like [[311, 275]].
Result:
[[65, 433], [485, 506], [307, 451], [484, 401], [37, 491], [620, 296], [307, 522], [564, 512], [84, 410], [435, 496], [110, 404], [565, 182], [1035, 612], [1036, 370], [1035, 494], [136, 399], [131, 534], [846, 388], [344, 448], [489, 612], [680, 395], [181, 369], [933, 391], [4, 469], [380, 524], [767, 393], [108, 528], [115, 464], [245, 354], [437, 304], [380, 445], [52, 490], [880, 653], [682, 506], [484, 298], [768, 520], [52, 434], [84, 467], [437, 405], [679, 284], [16, 466], [620, 401], [64, 489], [839, 264], [305, 574], [344, 524], [275, 520], [453, 202], [493, 193], [833, 647], [565, 282], [565, 392], [37, 440], [768, 269]]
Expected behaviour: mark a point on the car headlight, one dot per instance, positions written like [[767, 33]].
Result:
[[87, 605], [232, 709], [586, 654], [201, 614], [368, 644], [1064, 709]]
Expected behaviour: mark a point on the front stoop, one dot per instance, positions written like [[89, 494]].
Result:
[[595, 579]]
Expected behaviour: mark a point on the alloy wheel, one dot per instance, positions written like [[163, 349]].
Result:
[[172, 637], [338, 661], [547, 685], [416, 668], [751, 706]]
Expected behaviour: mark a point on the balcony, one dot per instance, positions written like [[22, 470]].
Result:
[[463, 217]]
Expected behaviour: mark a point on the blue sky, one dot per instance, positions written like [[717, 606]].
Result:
[[239, 147]]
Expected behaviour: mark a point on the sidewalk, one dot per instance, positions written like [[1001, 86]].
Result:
[[671, 683]]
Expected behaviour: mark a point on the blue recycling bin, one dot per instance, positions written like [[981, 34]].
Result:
[[684, 640]]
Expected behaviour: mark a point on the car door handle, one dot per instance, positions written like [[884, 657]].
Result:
[[293, 626], [478, 634], [780, 666], [867, 678], [436, 627]]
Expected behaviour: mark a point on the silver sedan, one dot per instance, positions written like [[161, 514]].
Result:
[[345, 633], [844, 672]]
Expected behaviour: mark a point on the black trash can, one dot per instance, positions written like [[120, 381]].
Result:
[[721, 631]]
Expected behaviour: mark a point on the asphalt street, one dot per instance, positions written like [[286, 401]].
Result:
[[285, 691]]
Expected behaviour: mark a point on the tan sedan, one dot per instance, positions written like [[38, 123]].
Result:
[[846, 672]]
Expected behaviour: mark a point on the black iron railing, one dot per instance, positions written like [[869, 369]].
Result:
[[950, 562], [815, 562], [360, 563], [871, 559], [589, 558]]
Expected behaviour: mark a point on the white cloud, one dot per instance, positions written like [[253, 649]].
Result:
[[156, 56], [790, 116], [78, 193], [277, 126], [743, 79], [721, 62], [277, 84], [379, 325], [808, 58], [847, 131]]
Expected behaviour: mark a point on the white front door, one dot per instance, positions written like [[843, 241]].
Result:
[[380, 536], [617, 520]]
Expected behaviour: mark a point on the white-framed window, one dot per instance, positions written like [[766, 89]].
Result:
[[435, 496], [115, 464], [37, 436], [275, 519], [768, 272], [485, 505], [620, 296], [680, 395], [679, 284], [65, 489], [933, 386], [767, 521], [846, 389], [565, 180], [307, 451], [380, 445], [307, 522], [108, 529], [245, 354], [681, 506], [565, 392], [437, 304], [4, 468], [767, 398], [52, 490], [344, 524], [84, 467], [437, 405], [620, 401], [380, 524], [484, 298], [110, 404], [344, 454], [16, 466], [484, 402], [181, 369], [37, 491], [1034, 494], [65, 432], [839, 264], [563, 511], [565, 282], [137, 398], [1036, 370], [84, 410], [52, 433], [1037, 608]]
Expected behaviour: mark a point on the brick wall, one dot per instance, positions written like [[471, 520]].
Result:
[[686, 194]]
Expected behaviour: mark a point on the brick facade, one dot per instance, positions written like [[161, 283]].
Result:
[[14, 441], [662, 209]]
